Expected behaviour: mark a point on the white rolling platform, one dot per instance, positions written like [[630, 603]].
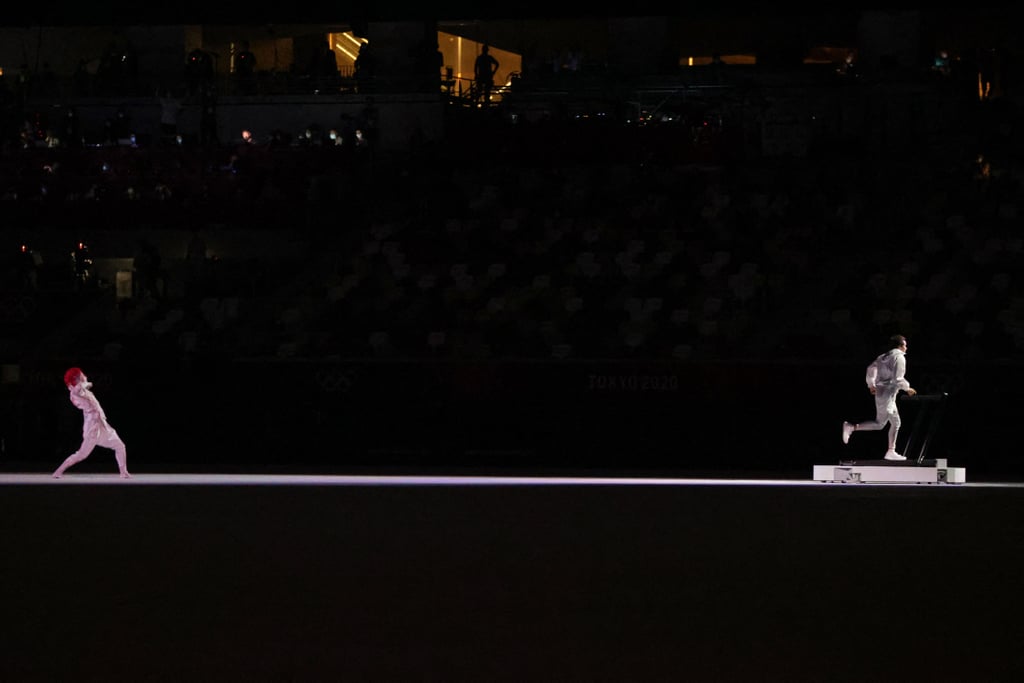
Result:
[[885, 472]]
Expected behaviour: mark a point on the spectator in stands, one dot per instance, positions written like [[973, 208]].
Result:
[[365, 69], [484, 69], [198, 70], [245, 69], [323, 68]]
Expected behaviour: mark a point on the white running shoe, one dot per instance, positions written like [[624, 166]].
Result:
[[893, 455], [847, 430]]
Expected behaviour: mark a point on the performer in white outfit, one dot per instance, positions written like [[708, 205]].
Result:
[[96, 431], [885, 379]]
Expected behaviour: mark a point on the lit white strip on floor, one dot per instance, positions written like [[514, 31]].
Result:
[[72, 479]]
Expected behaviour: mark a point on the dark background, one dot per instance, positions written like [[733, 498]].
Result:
[[134, 581], [766, 391], [170, 582]]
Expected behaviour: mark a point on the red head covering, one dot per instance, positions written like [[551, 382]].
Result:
[[72, 375]]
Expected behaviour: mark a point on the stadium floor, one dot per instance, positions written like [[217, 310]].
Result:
[[220, 576]]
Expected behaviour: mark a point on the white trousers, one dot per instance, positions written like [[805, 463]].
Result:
[[885, 413], [98, 436]]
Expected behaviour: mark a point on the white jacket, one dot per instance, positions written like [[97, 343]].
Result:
[[94, 419], [888, 370]]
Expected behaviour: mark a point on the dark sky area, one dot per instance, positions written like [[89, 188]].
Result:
[[67, 12]]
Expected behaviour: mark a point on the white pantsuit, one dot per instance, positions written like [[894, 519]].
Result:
[[886, 375], [96, 431]]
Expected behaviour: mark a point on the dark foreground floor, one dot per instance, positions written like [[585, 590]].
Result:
[[704, 581]]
